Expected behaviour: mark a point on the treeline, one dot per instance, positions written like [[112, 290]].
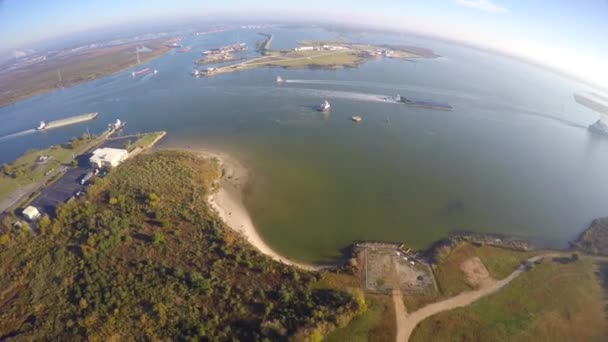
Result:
[[143, 257]]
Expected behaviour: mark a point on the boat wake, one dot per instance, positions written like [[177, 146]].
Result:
[[478, 99], [16, 135], [336, 94]]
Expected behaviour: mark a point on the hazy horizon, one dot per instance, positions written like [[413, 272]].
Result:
[[554, 36]]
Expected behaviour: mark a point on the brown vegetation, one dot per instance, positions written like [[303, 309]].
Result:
[[44, 76], [142, 257]]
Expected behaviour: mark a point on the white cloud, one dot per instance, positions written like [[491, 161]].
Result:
[[483, 5]]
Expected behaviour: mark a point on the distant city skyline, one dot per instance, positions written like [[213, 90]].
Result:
[[562, 34]]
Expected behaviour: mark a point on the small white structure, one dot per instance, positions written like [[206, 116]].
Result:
[[304, 48], [31, 213], [108, 157]]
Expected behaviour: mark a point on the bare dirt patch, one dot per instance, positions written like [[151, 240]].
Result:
[[476, 273], [387, 268]]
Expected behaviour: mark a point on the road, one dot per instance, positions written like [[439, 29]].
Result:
[[407, 322], [25, 191]]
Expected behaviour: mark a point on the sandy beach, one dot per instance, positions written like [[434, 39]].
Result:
[[228, 203]]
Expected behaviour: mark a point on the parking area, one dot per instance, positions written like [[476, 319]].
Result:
[[68, 184], [60, 191]]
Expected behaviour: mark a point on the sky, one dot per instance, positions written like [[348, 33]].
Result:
[[570, 35]]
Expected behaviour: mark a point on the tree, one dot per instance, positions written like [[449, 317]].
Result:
[[4, 239], [574, 256], [158, 239], [44, 223]]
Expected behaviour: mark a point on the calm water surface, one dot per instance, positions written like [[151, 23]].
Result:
[[514, 157]]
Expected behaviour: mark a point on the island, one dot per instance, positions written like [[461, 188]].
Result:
[[57, 69], [321, 55]]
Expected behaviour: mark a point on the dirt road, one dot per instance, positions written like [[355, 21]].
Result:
[[407, 322]]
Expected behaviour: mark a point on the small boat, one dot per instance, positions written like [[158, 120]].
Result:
[[279, 80], [117, 125], [196, 73], [41, 126], [185, 49], [324, 107], [356, 119]]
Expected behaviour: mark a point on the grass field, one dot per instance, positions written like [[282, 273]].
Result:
[[43, 77], [299, 59], [359, 328], [451, 280], [376, 324], [319, 59], [554, 301], [500, 263], [144, 141]]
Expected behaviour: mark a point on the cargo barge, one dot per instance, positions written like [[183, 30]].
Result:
[[67, 121], [424, 104], [418, 103]]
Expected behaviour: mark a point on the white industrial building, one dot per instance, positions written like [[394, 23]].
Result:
[[31, 213], [108, 157]]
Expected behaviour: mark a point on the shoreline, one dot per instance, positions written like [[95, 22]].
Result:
[[144, 59], [227, 202]]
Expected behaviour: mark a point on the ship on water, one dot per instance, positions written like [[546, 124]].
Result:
[[279, 80], [65, 122], [324, 106], [421, 104], [142, 72], [598, 104], [185, 49], [117, 125]]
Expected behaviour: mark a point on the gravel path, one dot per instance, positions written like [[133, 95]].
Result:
[[407, 322]]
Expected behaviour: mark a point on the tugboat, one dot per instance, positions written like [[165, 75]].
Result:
[[280, 80], [41, 126], [117, 125], [324, 107]]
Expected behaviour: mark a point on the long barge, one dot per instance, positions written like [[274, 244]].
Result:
[[425, 104], [66, 121]]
